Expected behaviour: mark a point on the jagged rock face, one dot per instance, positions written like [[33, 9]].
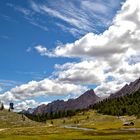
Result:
[[82, 102], [86, 99], [127, 89]]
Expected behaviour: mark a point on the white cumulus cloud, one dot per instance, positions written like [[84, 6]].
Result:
[[41, 88], [123, 34]]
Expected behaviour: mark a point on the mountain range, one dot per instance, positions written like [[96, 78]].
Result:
[[127, 89], [82, 102]]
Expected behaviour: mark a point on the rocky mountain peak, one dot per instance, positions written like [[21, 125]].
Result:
[[91, 92], [127, 89], [82, 102]]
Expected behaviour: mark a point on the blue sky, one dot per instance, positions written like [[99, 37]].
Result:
[[17, 35], [26, 27]]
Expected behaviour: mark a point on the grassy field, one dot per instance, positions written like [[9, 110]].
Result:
[[12, 119], [102, 127]]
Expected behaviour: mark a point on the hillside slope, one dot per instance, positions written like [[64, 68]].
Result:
[[87, 125], [124, 105], [12, 119]]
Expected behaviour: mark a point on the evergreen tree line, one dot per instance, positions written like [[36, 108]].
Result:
[[125, 105], [47, 116]]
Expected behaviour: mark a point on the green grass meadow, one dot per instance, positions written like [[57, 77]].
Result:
[[102, 127]]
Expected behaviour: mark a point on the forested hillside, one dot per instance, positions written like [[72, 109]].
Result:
[[125, 105]]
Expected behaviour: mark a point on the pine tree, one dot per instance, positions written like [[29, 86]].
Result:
[[1, 106]]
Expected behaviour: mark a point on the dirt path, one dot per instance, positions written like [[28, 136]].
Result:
[[78, 128]]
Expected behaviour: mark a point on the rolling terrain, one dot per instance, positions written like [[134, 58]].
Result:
[[87, 125], [12, 119]]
